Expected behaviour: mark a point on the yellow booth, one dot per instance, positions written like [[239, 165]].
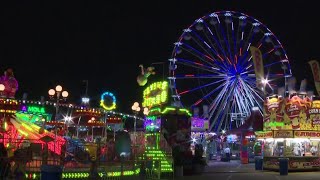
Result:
[[291, 130]]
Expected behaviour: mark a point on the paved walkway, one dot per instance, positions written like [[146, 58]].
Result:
[[255, 176], [233, 166], [234, 170]]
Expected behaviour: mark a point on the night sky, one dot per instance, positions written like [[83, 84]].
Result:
[[49, 43]]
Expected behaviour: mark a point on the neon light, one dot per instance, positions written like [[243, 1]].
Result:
[[152, 123], [155, 94], [102, 103], [33, 109], [186, 111], [22, 132]]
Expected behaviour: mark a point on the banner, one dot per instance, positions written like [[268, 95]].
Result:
[[273, 113], [244, 152], [293, 108], [316, 74], [258, 64], [283, 134], [264, 134], [313, 113], [306, 134]]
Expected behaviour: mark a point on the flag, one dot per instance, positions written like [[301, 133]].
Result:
[[303, 87], [316, 74], [258, 64]]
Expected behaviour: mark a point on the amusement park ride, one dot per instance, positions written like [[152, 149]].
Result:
[[216, 63], [38, 125]]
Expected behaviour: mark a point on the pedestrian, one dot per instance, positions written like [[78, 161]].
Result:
[[4, 162], [313, 150], [227, 153]]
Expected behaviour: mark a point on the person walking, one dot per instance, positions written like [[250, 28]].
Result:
[[227, 153]]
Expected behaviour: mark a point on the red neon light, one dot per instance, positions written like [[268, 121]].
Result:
[[199, 101], [236, 58], [271, 50], [198, 63], [183, 92], [220, 57], [259, 45], [229, 60], [189, 75], [209, 57]]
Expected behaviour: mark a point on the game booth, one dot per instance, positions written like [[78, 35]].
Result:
[[200, 133], [242, 141], [291, 130]]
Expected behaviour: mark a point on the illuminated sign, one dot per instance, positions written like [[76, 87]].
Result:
[[152, 123], [34, 109], [103, 103], [155, 94], [264, 134], [307, 134], [283, 134]]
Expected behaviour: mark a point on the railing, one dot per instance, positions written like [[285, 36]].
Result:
[[125, 170], [32, 156]]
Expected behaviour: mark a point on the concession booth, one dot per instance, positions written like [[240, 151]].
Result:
[[291, 130]]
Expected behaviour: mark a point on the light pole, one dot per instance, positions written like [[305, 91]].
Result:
[[136, 109], [67, 121], [56, 94], [265, 82], [2, 87]]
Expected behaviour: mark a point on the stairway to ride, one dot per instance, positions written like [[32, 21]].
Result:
[[157, 156]]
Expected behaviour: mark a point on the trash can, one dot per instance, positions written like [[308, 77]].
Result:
[[51, 172], [283, 166], [258, 163]]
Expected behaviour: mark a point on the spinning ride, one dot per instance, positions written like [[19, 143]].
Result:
[[211, 64]]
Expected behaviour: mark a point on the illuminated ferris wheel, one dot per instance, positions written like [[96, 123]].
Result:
[[211, 64]]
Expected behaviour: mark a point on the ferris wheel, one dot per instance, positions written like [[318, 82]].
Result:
[[211, 64]]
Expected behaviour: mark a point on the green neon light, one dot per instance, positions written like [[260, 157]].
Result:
[[32, 117], [169, 109], [186, 111], [34, 109], [155, 94], [274, 124], [154, 153], [153, 118]]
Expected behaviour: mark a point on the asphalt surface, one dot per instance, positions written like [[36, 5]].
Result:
[[233, 170], [255, 176]]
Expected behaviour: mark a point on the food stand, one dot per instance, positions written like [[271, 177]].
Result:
[[291, 130]]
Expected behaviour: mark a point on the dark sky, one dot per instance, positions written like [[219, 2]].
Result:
[[49, 43]]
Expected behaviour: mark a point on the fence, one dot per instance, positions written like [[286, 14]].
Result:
[[78, 161]]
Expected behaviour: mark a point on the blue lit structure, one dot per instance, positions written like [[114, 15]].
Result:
[[211, 64]]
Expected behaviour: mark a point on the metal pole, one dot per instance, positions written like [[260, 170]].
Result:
[[78, 127], [56, 119], [92, 134], [135, 129], [135, 137], [284, 67]]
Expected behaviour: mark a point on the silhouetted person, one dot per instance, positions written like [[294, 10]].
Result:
[[4, 162]]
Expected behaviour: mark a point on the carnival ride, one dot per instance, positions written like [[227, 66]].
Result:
[[211, 64]]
